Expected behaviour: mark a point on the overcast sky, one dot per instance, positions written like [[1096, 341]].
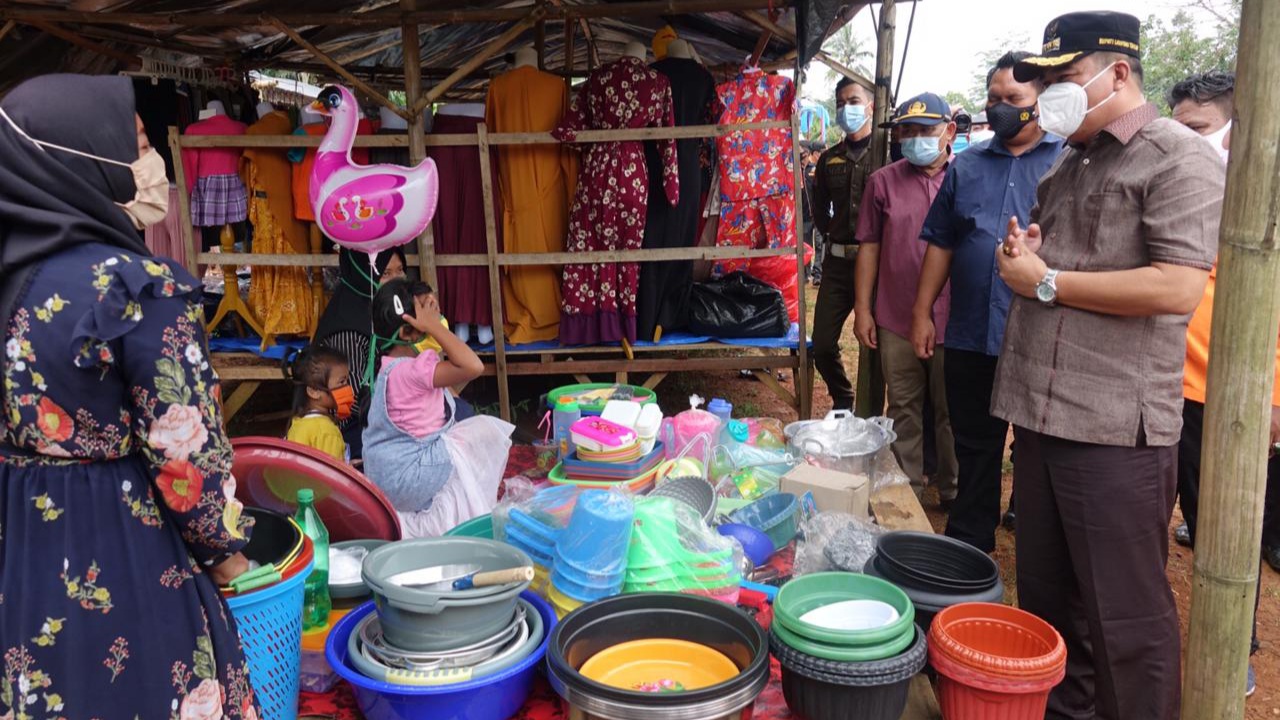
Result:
[[949, 34]]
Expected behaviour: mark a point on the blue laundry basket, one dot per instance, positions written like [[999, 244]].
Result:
[[270, 626]]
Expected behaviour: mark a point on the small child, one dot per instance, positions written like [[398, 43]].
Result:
[[322, 392], [412, 408]]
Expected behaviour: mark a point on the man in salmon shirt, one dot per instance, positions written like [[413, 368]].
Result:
[[1204, 104]]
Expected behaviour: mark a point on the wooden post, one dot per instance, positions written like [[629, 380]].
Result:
[[570, 37], [1246, 314], [801, 378], [869, 394], [417, 134], [495, 280], [184, 202]]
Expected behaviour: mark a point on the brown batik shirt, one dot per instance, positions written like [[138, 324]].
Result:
[[1145, 190]]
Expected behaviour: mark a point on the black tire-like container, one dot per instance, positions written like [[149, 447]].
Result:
[[600, 625], [929, 603], [818, 689], [936, 562]]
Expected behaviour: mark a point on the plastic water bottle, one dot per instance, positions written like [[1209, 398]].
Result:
[[721, 408], [316, 604], [566, 413]]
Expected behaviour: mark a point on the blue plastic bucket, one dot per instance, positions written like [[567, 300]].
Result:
[[270, 625], [500, 695]]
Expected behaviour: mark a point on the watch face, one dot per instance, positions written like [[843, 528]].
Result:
[[1045, 292]]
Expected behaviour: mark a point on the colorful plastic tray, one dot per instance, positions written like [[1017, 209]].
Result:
[[576, 468], [640, 485]]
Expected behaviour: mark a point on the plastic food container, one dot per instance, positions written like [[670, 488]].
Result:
[[622, 412], [648, 425], [500, 695], [599, 435]]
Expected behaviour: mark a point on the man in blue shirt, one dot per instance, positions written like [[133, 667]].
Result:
[[984, 187]]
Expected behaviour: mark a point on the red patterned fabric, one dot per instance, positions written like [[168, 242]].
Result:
[[756, 163], [608, 210]]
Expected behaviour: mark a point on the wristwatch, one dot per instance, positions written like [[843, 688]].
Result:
[[1047, 289]]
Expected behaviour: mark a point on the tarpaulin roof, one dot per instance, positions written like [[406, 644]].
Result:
[[239, 35]]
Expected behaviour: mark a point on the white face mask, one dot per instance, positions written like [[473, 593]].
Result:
[[1217, 139], [150, 203], [1064, 105]]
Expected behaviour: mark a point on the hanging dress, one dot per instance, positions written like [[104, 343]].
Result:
[[535, 184], [613, 192], [459, 224], [664, 286], [279, 296]]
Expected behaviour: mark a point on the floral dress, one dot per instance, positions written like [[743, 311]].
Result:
[[608, 210], [115, 494]]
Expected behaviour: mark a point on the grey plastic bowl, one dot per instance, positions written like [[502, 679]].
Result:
[[424, 620], [692, 491], [355, 590]]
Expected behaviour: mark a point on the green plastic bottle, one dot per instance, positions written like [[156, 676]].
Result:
[[316, 605]]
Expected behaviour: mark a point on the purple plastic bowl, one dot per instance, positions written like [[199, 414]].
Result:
[[500, 695]]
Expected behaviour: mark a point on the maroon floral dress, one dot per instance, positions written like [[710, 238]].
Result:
[[608, 210]]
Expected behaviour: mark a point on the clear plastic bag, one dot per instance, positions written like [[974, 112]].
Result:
[[478, 448], [673, 550], [835, 541], [590, 558], [740, 470], [544, 512]]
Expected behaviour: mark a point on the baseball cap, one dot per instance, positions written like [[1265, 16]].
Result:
[[1074, 35]]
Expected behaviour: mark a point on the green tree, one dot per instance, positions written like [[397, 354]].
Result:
[[986, 60], [1175, 49], [959, 100], [849, 50]]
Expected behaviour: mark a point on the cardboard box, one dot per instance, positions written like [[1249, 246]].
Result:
[[832, 491]]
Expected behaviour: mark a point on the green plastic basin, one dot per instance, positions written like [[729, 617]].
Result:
[[810, 592], [478, 527], [843, 653]]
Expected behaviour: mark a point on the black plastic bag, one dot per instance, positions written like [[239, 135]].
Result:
[[737, 306]]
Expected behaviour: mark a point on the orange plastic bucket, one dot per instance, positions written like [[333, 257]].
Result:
[[994, 662]]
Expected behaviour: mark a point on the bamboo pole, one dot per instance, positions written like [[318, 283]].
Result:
[[382, 18], [869, 394], [1246, 315], [802, 373], [480, 58], [337, 68], [840, 68], [520, 259], [417, 134], [495, 279]]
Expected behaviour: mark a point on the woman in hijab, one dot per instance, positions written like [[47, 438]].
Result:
[[117, 511], [348, 321]]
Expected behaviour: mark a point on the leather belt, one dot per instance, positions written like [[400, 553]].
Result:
[[846, 251]]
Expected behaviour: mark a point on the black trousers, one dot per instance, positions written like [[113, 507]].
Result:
[[1189, 490], [980, 439], [1093, 541], [830, 313]]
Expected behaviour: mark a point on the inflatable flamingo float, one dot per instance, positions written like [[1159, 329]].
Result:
[[366, 208]]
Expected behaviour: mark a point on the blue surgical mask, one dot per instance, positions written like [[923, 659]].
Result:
[[851, 118], [921, 151]]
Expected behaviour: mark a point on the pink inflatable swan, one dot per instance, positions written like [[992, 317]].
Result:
[[366, 208]]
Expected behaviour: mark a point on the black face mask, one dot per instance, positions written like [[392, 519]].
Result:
[[895, 151], [1007, 121]]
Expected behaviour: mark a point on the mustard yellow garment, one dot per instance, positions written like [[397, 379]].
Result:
[[279, 296], [536, 183], [319, 432]]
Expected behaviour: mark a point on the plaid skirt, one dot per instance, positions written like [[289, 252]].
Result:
[[219, 200]]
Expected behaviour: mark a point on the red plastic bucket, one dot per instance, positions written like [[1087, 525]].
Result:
[[994, 662]]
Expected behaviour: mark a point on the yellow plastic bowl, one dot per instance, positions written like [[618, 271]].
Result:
[[659, 665]]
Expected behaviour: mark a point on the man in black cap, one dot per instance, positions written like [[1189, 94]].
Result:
[[1106, 276]]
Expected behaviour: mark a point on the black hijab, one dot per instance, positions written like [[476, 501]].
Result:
[[50, 199], [350, 307]]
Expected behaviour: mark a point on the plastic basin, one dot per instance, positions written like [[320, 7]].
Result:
[[994, 661], [810, 592], [816, 689], [356, 590], [937, 562], [500, 695], [755, 544], [424, 620], [596, 627], [929, 603], [838, 652], [775, 515], [480, 527]]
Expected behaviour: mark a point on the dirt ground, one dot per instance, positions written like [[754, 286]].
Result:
[[750, 398]]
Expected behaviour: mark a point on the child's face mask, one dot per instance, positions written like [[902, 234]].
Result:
[[344, 398]]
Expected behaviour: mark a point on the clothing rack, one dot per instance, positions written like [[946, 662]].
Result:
[[503, 363]]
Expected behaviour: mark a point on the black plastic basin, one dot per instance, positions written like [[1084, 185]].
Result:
[[817, 689], [937, 562], [598, 626], [930, 602]]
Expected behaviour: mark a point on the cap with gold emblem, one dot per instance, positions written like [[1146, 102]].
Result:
[[923, 109], [1073, 35]]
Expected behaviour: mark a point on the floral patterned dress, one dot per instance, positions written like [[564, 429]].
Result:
[[115, 493], [608, 210]]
